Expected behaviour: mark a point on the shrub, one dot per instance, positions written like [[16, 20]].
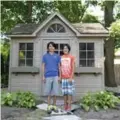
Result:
[[25, 99], [99, 100], [19, 99]]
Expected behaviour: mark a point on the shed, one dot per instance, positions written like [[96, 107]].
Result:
[[28, 44]]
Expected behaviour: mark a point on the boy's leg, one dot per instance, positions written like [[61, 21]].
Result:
[[49, 100], [70, 93], [69, 101], [55, 92], [48, 86], [54, 100], [65, 102]]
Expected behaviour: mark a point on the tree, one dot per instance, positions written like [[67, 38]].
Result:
[[89, 19], [14, 12], [109, 46], [72, 10]]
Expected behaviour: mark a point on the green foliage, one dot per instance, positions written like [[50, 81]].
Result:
[[7, 99], [5, 48], [115, 33], [72, 10], [99, 100], [19, 99], [89, 19], [25, 99], [14, 12]]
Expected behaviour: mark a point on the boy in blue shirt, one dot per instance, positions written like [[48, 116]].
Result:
[[51, 70]]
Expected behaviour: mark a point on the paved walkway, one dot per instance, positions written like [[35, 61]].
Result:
[[12, 113]]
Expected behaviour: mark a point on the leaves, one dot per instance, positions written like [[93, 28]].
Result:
[[14, 12], [89, 19], [99, 100], [114, 32], [19, 99]]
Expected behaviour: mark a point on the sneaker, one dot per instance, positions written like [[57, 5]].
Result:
[[49, 109], [54, 108], [65, 107], [69, 108]]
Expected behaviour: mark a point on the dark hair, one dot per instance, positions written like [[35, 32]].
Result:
[[68, 46], [52, 43]]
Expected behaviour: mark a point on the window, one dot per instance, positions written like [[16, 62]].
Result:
[[26, 54], [56, 28], [86, 54], [59, 48]]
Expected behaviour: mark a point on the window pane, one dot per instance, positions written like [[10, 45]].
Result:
[[22, 54], [29, 54], [90, 63], [54, 27], [82, 54], [82, 46], [56, 46], [62, 30], [61, 46], [50, 30], [61, 53], [82, 63], [22, 46], [90, 54], [21, 62], [90, 46], [29, 46], [29, 62]]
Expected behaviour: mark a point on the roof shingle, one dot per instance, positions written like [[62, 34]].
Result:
[[21, 29], [90, 28]]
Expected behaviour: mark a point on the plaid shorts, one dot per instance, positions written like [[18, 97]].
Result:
[[67, 87]]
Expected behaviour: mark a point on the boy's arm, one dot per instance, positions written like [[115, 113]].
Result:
[[43, 71], [59, 70], [59, 67], [73, 68]]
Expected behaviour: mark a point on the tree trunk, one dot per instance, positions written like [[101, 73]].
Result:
[[109, 47], [29, 17]]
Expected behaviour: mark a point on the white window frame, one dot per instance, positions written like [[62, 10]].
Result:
[[25, 59], [86, 59], [56, 30]]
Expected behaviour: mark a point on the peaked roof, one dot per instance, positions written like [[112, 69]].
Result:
[[31, 29]]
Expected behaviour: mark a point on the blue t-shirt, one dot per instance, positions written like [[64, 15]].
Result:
[[51, 64]]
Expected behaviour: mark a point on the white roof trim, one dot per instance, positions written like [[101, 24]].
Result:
[[21, 35], [62, 18], [93, 35]]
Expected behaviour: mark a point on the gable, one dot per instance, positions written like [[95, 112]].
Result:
[[53, 24], [61, 18]]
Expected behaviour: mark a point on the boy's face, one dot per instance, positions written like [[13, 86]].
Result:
[[65, 50], [51, 48]]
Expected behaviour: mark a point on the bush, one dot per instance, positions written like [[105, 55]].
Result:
[[19, 99], [25, 99], [99, 100]]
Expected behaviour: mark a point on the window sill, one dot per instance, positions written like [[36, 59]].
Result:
[[90, 70], [16, 70]]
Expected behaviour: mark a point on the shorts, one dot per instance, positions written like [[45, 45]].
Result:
[[68, 88], [51, 86]]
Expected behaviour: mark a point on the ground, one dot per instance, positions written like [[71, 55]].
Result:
[[13, 113]]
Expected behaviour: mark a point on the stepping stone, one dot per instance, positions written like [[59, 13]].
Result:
[[44, 106], [62, 117]]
